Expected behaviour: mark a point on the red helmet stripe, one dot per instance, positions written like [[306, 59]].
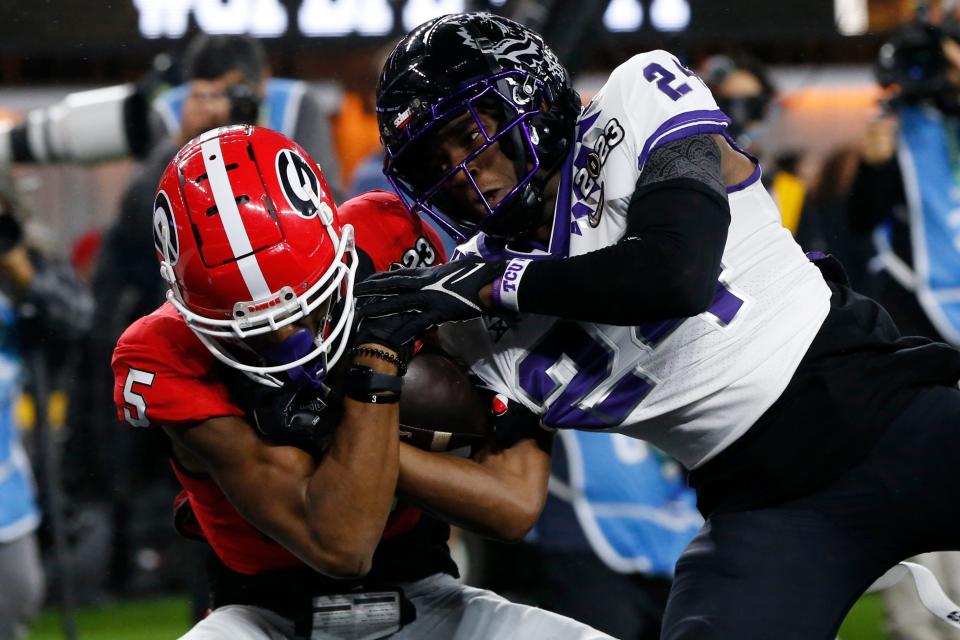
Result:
[[232, 223]]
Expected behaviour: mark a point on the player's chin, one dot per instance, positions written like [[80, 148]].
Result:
[[470, 211]]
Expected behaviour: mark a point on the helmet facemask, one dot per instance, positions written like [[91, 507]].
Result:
[[306, 362], [303, 342], [516, 101]]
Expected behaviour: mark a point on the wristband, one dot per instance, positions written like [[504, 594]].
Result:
[[374, 398], [363, 384], [506, 286]]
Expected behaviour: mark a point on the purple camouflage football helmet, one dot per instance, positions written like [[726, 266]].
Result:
[[473, 63]]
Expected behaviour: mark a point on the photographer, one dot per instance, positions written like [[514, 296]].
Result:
[[904, 191], [229, 82], [42, 305], [905, 194], [745, 92]]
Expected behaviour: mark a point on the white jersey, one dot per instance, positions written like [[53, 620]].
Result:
[[692, 386]]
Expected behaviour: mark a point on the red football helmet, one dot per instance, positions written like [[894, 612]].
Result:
[[249, 241]]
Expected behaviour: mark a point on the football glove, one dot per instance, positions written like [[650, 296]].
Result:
[[512, 422], [302, 418], [392, 331], [417, 300]]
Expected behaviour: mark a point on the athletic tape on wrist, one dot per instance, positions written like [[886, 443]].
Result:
[[506, 286]]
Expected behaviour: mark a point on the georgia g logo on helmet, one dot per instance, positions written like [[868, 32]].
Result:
[[299, 183], [164, 230]]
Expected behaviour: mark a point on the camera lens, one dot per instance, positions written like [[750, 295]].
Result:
[[244, 104], [913, 60]]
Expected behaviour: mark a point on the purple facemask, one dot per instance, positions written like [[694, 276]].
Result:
[[522, 111], [294, 347]]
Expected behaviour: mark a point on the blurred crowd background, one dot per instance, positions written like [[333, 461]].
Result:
[[96, 97]]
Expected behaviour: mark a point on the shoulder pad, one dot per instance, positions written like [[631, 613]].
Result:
[[389, 233]]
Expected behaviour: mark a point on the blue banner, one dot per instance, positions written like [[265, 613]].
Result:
[[929, 164], [620, 497]]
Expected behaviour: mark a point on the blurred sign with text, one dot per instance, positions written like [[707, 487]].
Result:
[[58, 26]]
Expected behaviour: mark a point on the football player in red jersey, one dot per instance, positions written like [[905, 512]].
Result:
[[283, 426]]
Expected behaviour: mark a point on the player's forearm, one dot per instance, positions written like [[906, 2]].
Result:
[[349, 497], [499, 494], [665, 267], [278, 490]]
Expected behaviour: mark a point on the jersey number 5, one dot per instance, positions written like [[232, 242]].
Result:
[[138, 416]]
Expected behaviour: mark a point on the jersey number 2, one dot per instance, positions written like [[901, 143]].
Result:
[[137, 417], [665, 79]]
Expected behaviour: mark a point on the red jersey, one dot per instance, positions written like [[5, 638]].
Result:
[[389, 234], [164, 376]]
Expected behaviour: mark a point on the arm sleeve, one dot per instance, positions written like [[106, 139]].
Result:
[[666, 266], [667, 261]]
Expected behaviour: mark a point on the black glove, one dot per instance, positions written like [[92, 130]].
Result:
[[419, 299], [391, 331], [303, 418]]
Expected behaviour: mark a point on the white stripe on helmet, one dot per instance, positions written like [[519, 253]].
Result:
[[232, 223]]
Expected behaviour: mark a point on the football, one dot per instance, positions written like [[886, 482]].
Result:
[[440, 409]]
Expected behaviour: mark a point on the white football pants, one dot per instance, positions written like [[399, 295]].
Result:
[[445, 609]]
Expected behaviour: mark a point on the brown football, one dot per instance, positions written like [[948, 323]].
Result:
[[440, 409]]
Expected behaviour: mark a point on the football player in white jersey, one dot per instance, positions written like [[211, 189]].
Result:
[[623, 269]]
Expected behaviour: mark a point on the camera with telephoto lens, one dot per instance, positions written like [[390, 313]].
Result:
[[86, 126], [91, 126], [244, 104], [912, 61]]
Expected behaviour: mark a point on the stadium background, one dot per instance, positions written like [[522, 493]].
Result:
[[820, 53]]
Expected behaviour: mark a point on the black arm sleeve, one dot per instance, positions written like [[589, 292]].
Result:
[[665, 267], [667, 263]]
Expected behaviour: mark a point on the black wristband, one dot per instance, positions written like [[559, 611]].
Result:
[[374, 398], [363, 384], [382, 355]]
